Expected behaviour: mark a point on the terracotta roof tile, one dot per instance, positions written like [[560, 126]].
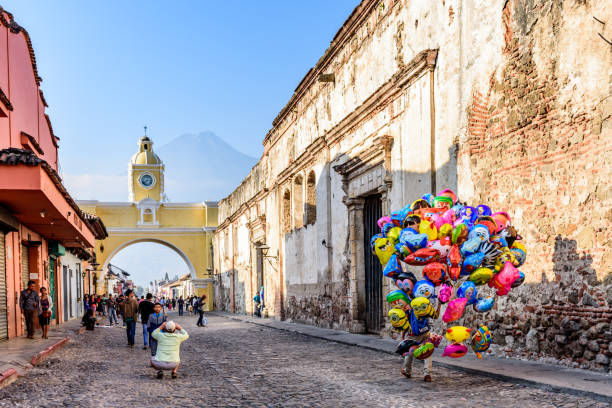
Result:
[[14, 157]]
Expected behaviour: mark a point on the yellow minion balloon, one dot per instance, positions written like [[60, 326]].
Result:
[[399, 319], [422, 307]]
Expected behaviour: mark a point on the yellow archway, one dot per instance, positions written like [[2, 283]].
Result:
[[187, 228], [171, 245]]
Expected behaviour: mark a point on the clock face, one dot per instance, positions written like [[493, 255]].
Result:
[[146, 180]]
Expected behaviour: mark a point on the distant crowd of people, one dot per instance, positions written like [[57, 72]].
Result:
[[161, 337]]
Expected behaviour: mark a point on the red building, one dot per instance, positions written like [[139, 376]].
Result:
[[39, 220]]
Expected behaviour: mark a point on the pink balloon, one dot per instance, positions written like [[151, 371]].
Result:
[[437, 220], [503, 280], [449, 217], [446, 291], [382, 221], [454, 310], [454, 350]]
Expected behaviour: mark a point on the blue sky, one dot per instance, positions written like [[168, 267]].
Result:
[[110, 67]]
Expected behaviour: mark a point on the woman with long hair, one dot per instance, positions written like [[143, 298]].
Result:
[[44, 311]]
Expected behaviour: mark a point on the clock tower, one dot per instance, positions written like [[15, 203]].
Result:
[[146, 174]]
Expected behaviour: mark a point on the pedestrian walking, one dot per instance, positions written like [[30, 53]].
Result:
[[45, 306], [112, 310], [145, 308], [86, 306], [174, 303], [130, 313], [194, 304], [155, 320], [103, 304], [169, 337], [419, 332], [29, 303], [181, 304], [119, 307], [202, 321], [257, 305], [93, 305]]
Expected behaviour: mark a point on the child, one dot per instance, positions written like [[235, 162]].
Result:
[[89, 321], [155, 320]]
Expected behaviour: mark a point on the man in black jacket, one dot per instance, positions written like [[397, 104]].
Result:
[[145, 308]]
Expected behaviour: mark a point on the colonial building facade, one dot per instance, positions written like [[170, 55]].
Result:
[[490, 99], [44, 236]]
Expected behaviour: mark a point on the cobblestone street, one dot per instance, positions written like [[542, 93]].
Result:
[[232, 363]]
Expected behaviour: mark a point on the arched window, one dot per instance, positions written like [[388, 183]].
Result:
[[311, 199], [147, 215], [298, 202], [286, 211]]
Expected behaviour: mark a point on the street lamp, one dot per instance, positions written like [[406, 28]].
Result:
[[264, 251]]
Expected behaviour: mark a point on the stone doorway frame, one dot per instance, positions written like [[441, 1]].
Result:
[[365, 173]]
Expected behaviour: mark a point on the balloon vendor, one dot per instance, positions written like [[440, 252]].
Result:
[[463, 256]]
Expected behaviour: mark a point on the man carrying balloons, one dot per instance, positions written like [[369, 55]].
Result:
[[463, 256]]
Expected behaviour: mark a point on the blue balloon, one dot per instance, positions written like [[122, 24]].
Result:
[[484, 304], [423, 288], [468, 290], [484, 210], [412, 239], [471, 263], [519, 281], [393, 268]]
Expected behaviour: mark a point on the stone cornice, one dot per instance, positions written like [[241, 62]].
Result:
[[343, 35], [423, 62]]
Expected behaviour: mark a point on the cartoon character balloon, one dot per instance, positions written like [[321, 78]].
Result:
[[481, 341], [467, 290], [457, 334], [421, 306], [423, 288], [435, 272], [445, 293], [454, 310], [503, 280], [484, 304], [455, 350], [424, 351]]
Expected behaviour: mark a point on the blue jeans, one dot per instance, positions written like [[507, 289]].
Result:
[[145, 334], [180, 310], [202, 320], [130, 328], [112, 314]]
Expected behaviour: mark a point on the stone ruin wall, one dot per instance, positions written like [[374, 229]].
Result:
[[538, 143]]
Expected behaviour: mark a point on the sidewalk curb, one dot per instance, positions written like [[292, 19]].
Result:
[[7, 377], [497, 376], [39, 357]]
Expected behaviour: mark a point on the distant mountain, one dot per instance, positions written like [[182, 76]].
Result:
[[202, 167]]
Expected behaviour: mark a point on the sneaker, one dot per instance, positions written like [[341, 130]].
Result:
[[173, 374], [145, 347], [405, 373], [427, 378], [160, 374]]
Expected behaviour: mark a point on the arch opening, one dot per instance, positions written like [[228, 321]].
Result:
[[169, 258]]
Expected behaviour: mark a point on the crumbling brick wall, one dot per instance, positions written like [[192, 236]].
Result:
[[539, 143]]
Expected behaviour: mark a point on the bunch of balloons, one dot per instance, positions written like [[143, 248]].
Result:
[[456, 249]]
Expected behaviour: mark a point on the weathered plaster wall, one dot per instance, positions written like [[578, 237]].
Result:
[[519, 107]]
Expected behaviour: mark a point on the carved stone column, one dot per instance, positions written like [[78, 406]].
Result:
[[357, 268]]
